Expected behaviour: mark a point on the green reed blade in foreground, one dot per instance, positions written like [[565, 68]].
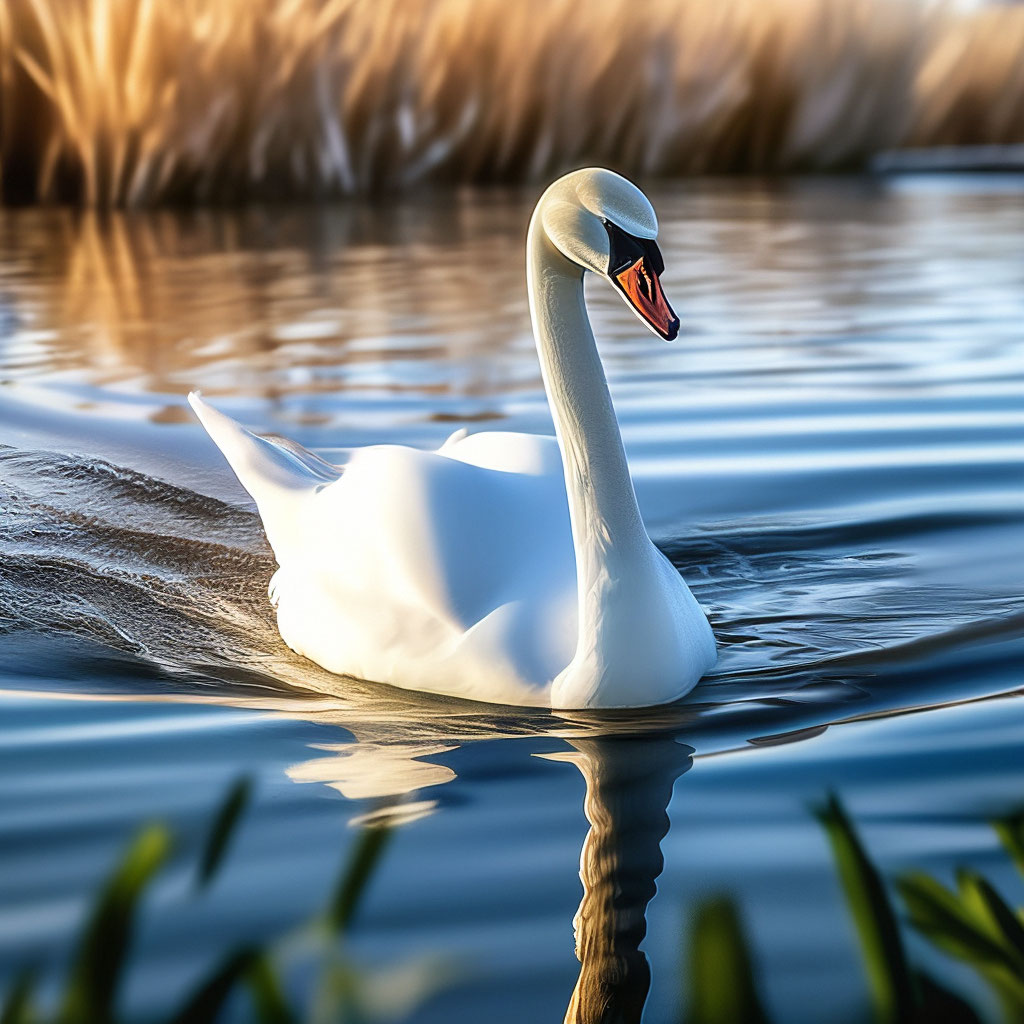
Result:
[[101, 957], [17, 1008], [939, 915], [889, 976], [973, 925], [723, 988], [266, 993], [225, 822], [206, 1002], [352, 884], [993, 915]]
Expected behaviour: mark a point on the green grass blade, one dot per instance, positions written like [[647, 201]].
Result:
[[940, 917], [225, 822], [968, 926], [357, 873], [992, 912], [101, 956], [1011, 833], [723, 986], [206, 1002], [17, 1008], [889, 974], [266, 993]]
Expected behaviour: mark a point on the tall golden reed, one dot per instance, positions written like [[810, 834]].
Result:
[[134, 102]]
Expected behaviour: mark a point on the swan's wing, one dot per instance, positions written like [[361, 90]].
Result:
[[263, 464], [316, 465], [417, 568], [532, 454], [276, 472], [335, 458], [454, 438]]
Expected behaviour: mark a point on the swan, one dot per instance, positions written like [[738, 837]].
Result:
[[502, 567]]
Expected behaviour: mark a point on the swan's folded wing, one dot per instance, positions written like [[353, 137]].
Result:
[[315, 467], [263, 465], [279, 474]]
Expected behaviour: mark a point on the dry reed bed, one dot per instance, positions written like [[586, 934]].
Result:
[[137, 102]]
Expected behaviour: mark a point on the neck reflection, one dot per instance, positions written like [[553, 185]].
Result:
[[629, 784]]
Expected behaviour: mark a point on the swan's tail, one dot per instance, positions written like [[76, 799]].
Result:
[[276, 472]]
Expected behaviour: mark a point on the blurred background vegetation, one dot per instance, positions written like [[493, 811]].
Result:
[[139, 102]]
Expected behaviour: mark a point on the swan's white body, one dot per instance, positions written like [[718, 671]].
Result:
[[502, 567]]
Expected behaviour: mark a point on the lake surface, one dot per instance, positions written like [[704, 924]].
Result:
[[832, 454]]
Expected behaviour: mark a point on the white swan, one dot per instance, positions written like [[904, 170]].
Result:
[[502, 567]]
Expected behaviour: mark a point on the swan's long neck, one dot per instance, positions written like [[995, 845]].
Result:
[[608, 532]]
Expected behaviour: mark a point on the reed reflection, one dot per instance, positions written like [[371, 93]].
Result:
[[304, 302]]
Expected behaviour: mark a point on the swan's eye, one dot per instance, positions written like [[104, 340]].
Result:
[[624, 250], [653, 257]]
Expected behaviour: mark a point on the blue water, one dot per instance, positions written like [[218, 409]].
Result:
[[833, 455]]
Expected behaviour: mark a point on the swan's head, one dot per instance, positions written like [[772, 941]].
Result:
[[606, 225]]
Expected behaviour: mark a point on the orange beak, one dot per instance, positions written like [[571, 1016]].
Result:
[[643, 291]]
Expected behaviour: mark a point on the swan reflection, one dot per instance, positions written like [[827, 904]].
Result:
[[629, 784], [629, 778]]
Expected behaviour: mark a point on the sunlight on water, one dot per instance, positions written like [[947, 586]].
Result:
[[831, 454]]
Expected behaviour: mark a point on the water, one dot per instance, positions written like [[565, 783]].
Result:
[[833, 454]]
